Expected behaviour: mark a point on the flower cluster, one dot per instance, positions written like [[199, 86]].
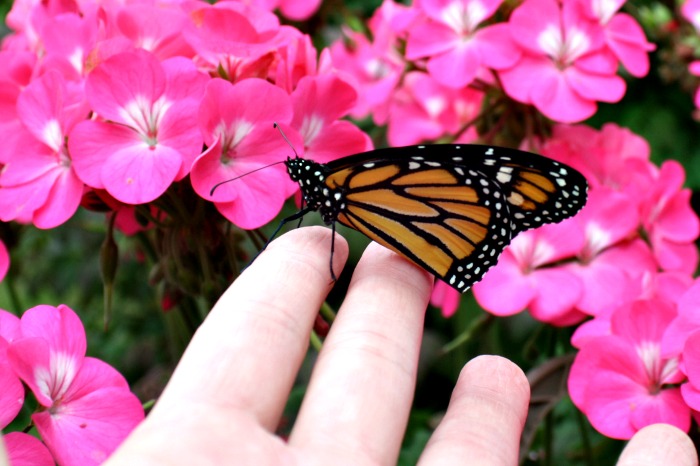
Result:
[[82, 401], [124, 107], [560, 57]]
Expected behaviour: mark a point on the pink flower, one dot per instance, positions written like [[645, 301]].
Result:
[[445, 297], [38, 182], [4, 260], [624, 37], [622, 382], [612, 156], [235, 40], [155, 27], [691, 367], [373, 68], [560, 72], [455, 47], [424, 109], [296, 10], [25, 450], [610, 266], [526, 276], [15, 74], [148, 137], [237, 123], [89, 408], [11, 389], [669, 220], [318, 103]]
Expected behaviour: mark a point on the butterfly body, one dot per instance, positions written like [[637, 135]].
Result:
[[449, 208]]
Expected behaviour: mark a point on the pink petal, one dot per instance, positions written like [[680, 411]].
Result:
[[9, 326], [496, 47], [428, 39], [682, 257], [557, 99], [178, 131], [93, 376], [339, 139], [86, 431], [626, 39], [505, 290], [4, 267], [678, 220], [325, 97], [49, 352], [62, 202], [140, 173], [248, 103], [25, 450], [92, 143], [606, 88], [256, 205], [519, 80], [532, 18], [11, 394], [446, 298], [455, 68], [299, 10], [556, 308], [183, 79], [121, 81], [667, 407], [20, 202]]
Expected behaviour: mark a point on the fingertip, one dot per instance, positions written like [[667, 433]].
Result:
[[485, 417], [659, 444]]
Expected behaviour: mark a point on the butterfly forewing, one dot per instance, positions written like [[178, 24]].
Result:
[[451, 209]]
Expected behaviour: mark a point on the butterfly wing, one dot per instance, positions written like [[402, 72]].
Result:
[[452, 209]]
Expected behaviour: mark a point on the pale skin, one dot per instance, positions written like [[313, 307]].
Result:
[[226, 397]]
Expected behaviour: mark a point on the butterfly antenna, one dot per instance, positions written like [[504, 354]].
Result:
[[211, 193], [285, 138]]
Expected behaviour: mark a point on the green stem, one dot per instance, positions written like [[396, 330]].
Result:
[[12, 292], [316, 342], [467, 334], [327, 312]]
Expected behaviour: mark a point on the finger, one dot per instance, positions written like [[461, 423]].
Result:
[[659, 444], [357, 404], [248, 350], [485, 417]]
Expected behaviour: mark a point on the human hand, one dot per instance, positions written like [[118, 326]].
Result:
[[227, 395]]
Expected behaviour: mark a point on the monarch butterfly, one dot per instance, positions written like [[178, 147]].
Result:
[[449, 208]]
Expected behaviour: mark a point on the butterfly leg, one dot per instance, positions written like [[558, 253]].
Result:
[[297, 216], [333, 277]]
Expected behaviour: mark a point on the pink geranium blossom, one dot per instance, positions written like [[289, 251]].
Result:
[[445, 297], [25, 450], [89, 408], [147, 136], [38, 183], [237, 123], [11, 389], [319, 102], [4, 260], [526, 277], [561, 71], [622, 381], [374, 68], [691, 367], [424, 109], [456, 48], [669, 220], [624, 37]]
